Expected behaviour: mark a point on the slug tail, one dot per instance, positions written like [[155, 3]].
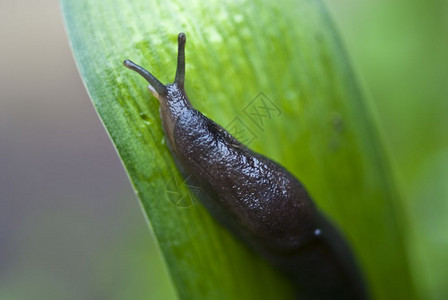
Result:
[[159, 87], [180, 72]]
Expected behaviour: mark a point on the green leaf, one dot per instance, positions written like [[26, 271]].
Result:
[[241, 54]]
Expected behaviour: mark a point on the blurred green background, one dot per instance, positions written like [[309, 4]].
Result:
[[399, 50], [70, 225]]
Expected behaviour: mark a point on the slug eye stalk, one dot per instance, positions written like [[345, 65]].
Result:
[[180, 72], [159, 87]]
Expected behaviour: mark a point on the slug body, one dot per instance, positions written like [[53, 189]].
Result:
[[255, 198]]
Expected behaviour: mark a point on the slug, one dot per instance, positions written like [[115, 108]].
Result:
[[257, 199]]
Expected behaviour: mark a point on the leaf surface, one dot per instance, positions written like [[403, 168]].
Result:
[[274, 74]]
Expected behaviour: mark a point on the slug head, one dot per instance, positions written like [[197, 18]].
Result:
[[172, 97]]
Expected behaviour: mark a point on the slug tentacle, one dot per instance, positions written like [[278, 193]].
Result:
[[180, 72], [257, 199], [159, 87]]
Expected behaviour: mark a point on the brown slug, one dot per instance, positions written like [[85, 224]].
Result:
[[258, 200]]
